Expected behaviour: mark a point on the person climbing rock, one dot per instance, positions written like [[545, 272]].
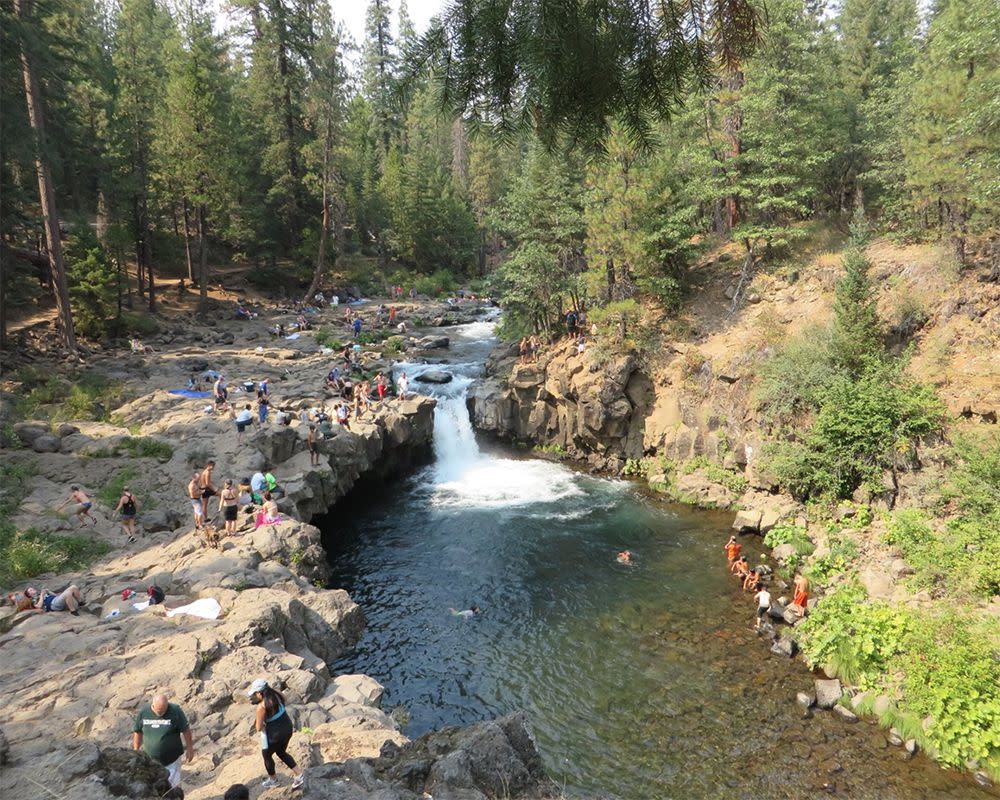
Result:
[[82, 507], [275, 728], [128, 507]]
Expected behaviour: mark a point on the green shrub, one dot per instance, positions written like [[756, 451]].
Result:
[[394, 344], [82, 397], [635, 468], [325, 337], [855, 639], [843, 553], [436, 284], [138, 447], [139, 324], [111, 491], [794, 535], [794, 379]]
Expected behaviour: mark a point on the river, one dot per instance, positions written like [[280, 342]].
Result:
[[641, 681]]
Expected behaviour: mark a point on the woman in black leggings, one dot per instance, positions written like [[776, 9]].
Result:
[[275, 729]]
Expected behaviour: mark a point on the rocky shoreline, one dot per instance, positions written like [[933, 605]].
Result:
[[70, 685]]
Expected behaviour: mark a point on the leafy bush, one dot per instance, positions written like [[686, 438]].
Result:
[[635, 468], [853, 638], [733, 481], [843, 553], [437, 283], [325, 337], [83, 397], [794, 379], [794, 535], [394, 344], [860, 426], [138, 447], [139, 324]]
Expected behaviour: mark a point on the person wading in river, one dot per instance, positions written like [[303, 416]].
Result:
[[763, 598], [732, 548]]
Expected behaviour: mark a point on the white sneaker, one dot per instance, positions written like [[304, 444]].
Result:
[[267, 783], [299, 780]]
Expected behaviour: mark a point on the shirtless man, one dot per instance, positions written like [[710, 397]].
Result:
[[740, 567], [83, 505], [207, 488], [194, 494], [311, 443], [801, 596]]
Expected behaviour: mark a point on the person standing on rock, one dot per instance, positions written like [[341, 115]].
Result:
[[243, 419], [229, 500], [82, 507], [801, 597], [763, 598], [357, 327], [128, 507], [159, 727], [221, 392], [402, 385], [275, 728], [311, 444], [194, 495], [207, 488]]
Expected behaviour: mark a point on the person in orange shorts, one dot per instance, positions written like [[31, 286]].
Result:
[[800, 598], [732, 548]]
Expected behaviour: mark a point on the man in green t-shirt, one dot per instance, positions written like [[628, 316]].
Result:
[[158, 729]]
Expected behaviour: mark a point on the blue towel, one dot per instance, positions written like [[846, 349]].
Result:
[[190, 393]]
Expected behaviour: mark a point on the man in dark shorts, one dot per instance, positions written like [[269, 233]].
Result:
[[207, 488], [571, 324], [311, 444], [158, 730]]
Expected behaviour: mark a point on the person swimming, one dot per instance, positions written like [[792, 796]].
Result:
[[468, 613], [624, 557]]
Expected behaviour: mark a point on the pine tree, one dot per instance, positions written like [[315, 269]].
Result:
[[378, 76], [857, 333]]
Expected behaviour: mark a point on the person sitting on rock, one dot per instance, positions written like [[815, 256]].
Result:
[[751, 581], [246, 493], [269, 514], [258, 485], [740, 567], [243, 420], [732, 548], [82, 507]]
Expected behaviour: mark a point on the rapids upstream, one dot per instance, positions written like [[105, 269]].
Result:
[[642, 681]]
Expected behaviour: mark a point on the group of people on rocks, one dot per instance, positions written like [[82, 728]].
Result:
[[161, 730], [756, 581], [260, 491]]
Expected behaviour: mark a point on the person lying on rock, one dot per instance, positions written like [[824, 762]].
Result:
[[158, 729], [31, 599], [82, 507], [272, 722]]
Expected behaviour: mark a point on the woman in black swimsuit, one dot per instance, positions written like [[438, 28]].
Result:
[[229, 505]]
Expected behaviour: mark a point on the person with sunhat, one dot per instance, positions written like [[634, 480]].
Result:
[[275, 729]]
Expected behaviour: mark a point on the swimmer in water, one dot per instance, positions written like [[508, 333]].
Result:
[[468, 613], [624, 557]]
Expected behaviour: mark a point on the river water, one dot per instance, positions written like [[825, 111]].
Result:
[[641, 681]]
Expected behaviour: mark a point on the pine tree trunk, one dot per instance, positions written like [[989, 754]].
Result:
[[46, 193], [733, 126], [202, 262], [187, 243]]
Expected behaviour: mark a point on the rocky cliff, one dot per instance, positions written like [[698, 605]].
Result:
[[70, 685]]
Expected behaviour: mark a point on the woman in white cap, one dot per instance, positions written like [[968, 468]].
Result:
[[275, 729]]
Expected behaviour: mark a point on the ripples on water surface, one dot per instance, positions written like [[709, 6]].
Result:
[[641, 681]]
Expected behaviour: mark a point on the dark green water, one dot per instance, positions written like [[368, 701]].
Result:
[[641, 681]]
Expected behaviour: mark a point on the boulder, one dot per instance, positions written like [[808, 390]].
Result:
[[66, 429], [845, 713], [899, 568], [160, 519], [784, 646], [804, 700], [73, 442], [131, 773], [747, 520], [828, 692], [911, 746], [434, 342], [27, 432], [358, 689], [768, 520], [894, 738], [784, 551], [46, 443], [434, 376], [4, 748]]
